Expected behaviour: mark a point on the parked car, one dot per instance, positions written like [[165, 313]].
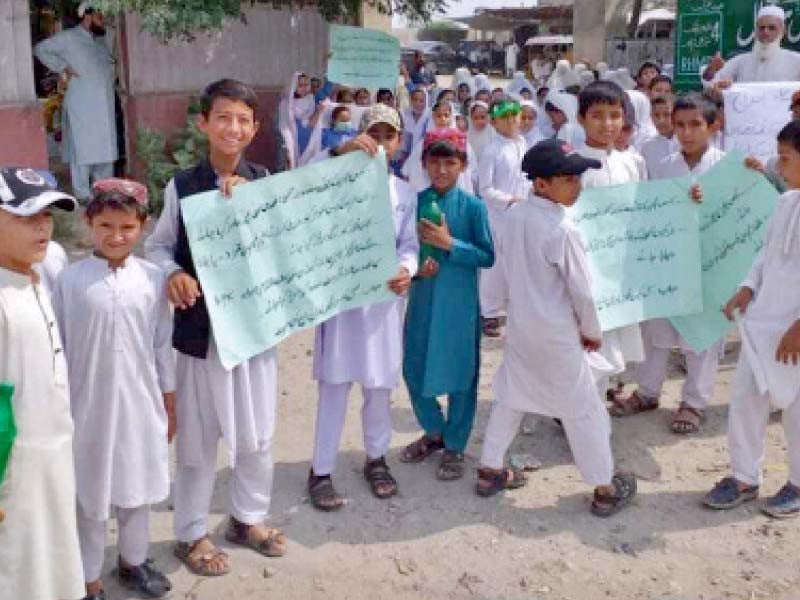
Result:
[[439, 56]]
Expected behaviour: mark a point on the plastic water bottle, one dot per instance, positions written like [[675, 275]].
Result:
[[8, 427], [429, 209]]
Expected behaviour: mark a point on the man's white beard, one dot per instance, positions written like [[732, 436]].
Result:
[[764, 51]]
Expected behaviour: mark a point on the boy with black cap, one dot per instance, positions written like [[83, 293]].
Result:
[[39, 552], [552, 328]]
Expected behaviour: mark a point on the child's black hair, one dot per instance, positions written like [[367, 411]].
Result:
[[659, 100], [337, 111], [440, 103], [695, 101], [443, 149], [442, 94], [230, 89], [418, 89], [343, 93], [115, 200], [384, 94], [648, 64], [790, 135], [661, 79], [600, 92]]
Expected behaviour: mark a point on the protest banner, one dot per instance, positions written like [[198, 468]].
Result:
[[643, 246], [754, 114], [292, 250], [737, 204], [363, 57]]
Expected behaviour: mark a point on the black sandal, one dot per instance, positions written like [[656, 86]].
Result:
[[625, 490], [421, 449], [451, 467], [322, 494], [498, 481], [380, 480]]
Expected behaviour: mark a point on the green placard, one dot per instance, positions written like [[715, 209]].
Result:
[[704, 27]]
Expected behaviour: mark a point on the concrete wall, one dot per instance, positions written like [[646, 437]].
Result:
[[21, 123]]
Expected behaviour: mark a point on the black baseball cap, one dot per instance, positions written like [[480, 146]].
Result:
[[25, 192], [550, 158]]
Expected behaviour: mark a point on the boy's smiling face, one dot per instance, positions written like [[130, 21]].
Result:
[[789, 164], [25, 239], [603, 124], [230, 126]]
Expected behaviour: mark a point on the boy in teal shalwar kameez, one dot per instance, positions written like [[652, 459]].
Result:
[[442, 329]]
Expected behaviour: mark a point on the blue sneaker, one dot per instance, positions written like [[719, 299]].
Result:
[[784, 504], [726, 494]]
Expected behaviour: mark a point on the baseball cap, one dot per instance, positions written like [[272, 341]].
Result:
[[24, 192], [551, 158], [380, 113]]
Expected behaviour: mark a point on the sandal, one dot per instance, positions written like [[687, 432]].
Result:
[[490, 482], [272, 546], [381, 482], [421, 449], [451, 466], [687, 419], [625, 490], [322, 494], [632, 405], [202, 561]]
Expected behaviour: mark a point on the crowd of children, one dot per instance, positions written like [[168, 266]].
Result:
[[480, 182]]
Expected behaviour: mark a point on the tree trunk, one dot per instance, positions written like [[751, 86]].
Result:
[[636, 13]]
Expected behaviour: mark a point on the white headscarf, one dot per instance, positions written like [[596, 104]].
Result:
[[290, 110], [645, 129], [462, 75], [586, 78], [571, 132], [561, 73], [481, 82], [518, 83], [478, 140], [534, 135]]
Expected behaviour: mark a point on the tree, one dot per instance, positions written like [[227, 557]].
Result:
[[183, 19], [636, 14]]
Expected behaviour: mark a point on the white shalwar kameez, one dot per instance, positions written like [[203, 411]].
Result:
[[39, 551], [622, 345], [501, 182], [117, 331], [660, 336], [761, 381], [365, 345], [212, 402], [749, 68], [657, 149], [545, 368]]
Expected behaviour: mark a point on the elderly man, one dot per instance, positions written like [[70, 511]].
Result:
[[82, 57], [767, 61]]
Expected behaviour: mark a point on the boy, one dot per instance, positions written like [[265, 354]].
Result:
[[768, 373], [552, 326], [365, 345], [601, 112], [693, 118], [661, 85], [501, 186], [237, 405], [39, 553], [659, 147], [647, 72]]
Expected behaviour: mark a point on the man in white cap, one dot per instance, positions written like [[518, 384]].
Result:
[[767, 61], [82, 57]]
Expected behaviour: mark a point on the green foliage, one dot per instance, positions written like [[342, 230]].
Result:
[[188, 147], [184, 19]]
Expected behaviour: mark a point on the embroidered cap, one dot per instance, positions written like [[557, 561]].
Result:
[[25, 192], [380, 113], [128, 187], [551, 158], [770, 10]]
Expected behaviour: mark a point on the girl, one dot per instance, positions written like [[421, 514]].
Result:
[[643, 121], [340, 130], [297, 114], [527, 123], [562, 109], [362, 97], [117, 330], [442, 330]]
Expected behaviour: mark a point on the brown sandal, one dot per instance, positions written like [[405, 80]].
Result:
[[273, 546], [201, 563], [322, 494], [421, 449], [380, 480], [490, 482], [687, 419], [632, 405]]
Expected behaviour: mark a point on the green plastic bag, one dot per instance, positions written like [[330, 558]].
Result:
[[8, 427]]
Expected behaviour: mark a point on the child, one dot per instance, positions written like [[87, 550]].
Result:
[[553, 324], [768, 373], [646, 74], [483, 95], [480, 132], [662, 145], [643, 123], [602, 115], [442, 329], [212, 402], [527, 123], [562, 111], [362, 97], [693, 118], [298, 113], [385, 96], [344, 96], [501, 185], [365, 345], [39, 550], [340, 130], [661, 85], [116, 324], [412, 117]]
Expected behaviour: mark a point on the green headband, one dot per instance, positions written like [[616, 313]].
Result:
[[506, 107]]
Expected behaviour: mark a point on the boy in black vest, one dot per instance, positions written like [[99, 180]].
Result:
[[237, 405]]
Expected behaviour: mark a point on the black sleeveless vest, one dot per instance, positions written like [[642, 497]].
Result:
[[193, 326]]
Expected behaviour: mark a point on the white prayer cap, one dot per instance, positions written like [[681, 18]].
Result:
[[770, 10], [83, 7]]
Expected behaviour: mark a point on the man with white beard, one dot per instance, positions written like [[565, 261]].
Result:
[[767, 61]]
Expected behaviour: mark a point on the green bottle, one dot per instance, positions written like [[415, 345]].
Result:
[[8, 427], [429, 209]]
